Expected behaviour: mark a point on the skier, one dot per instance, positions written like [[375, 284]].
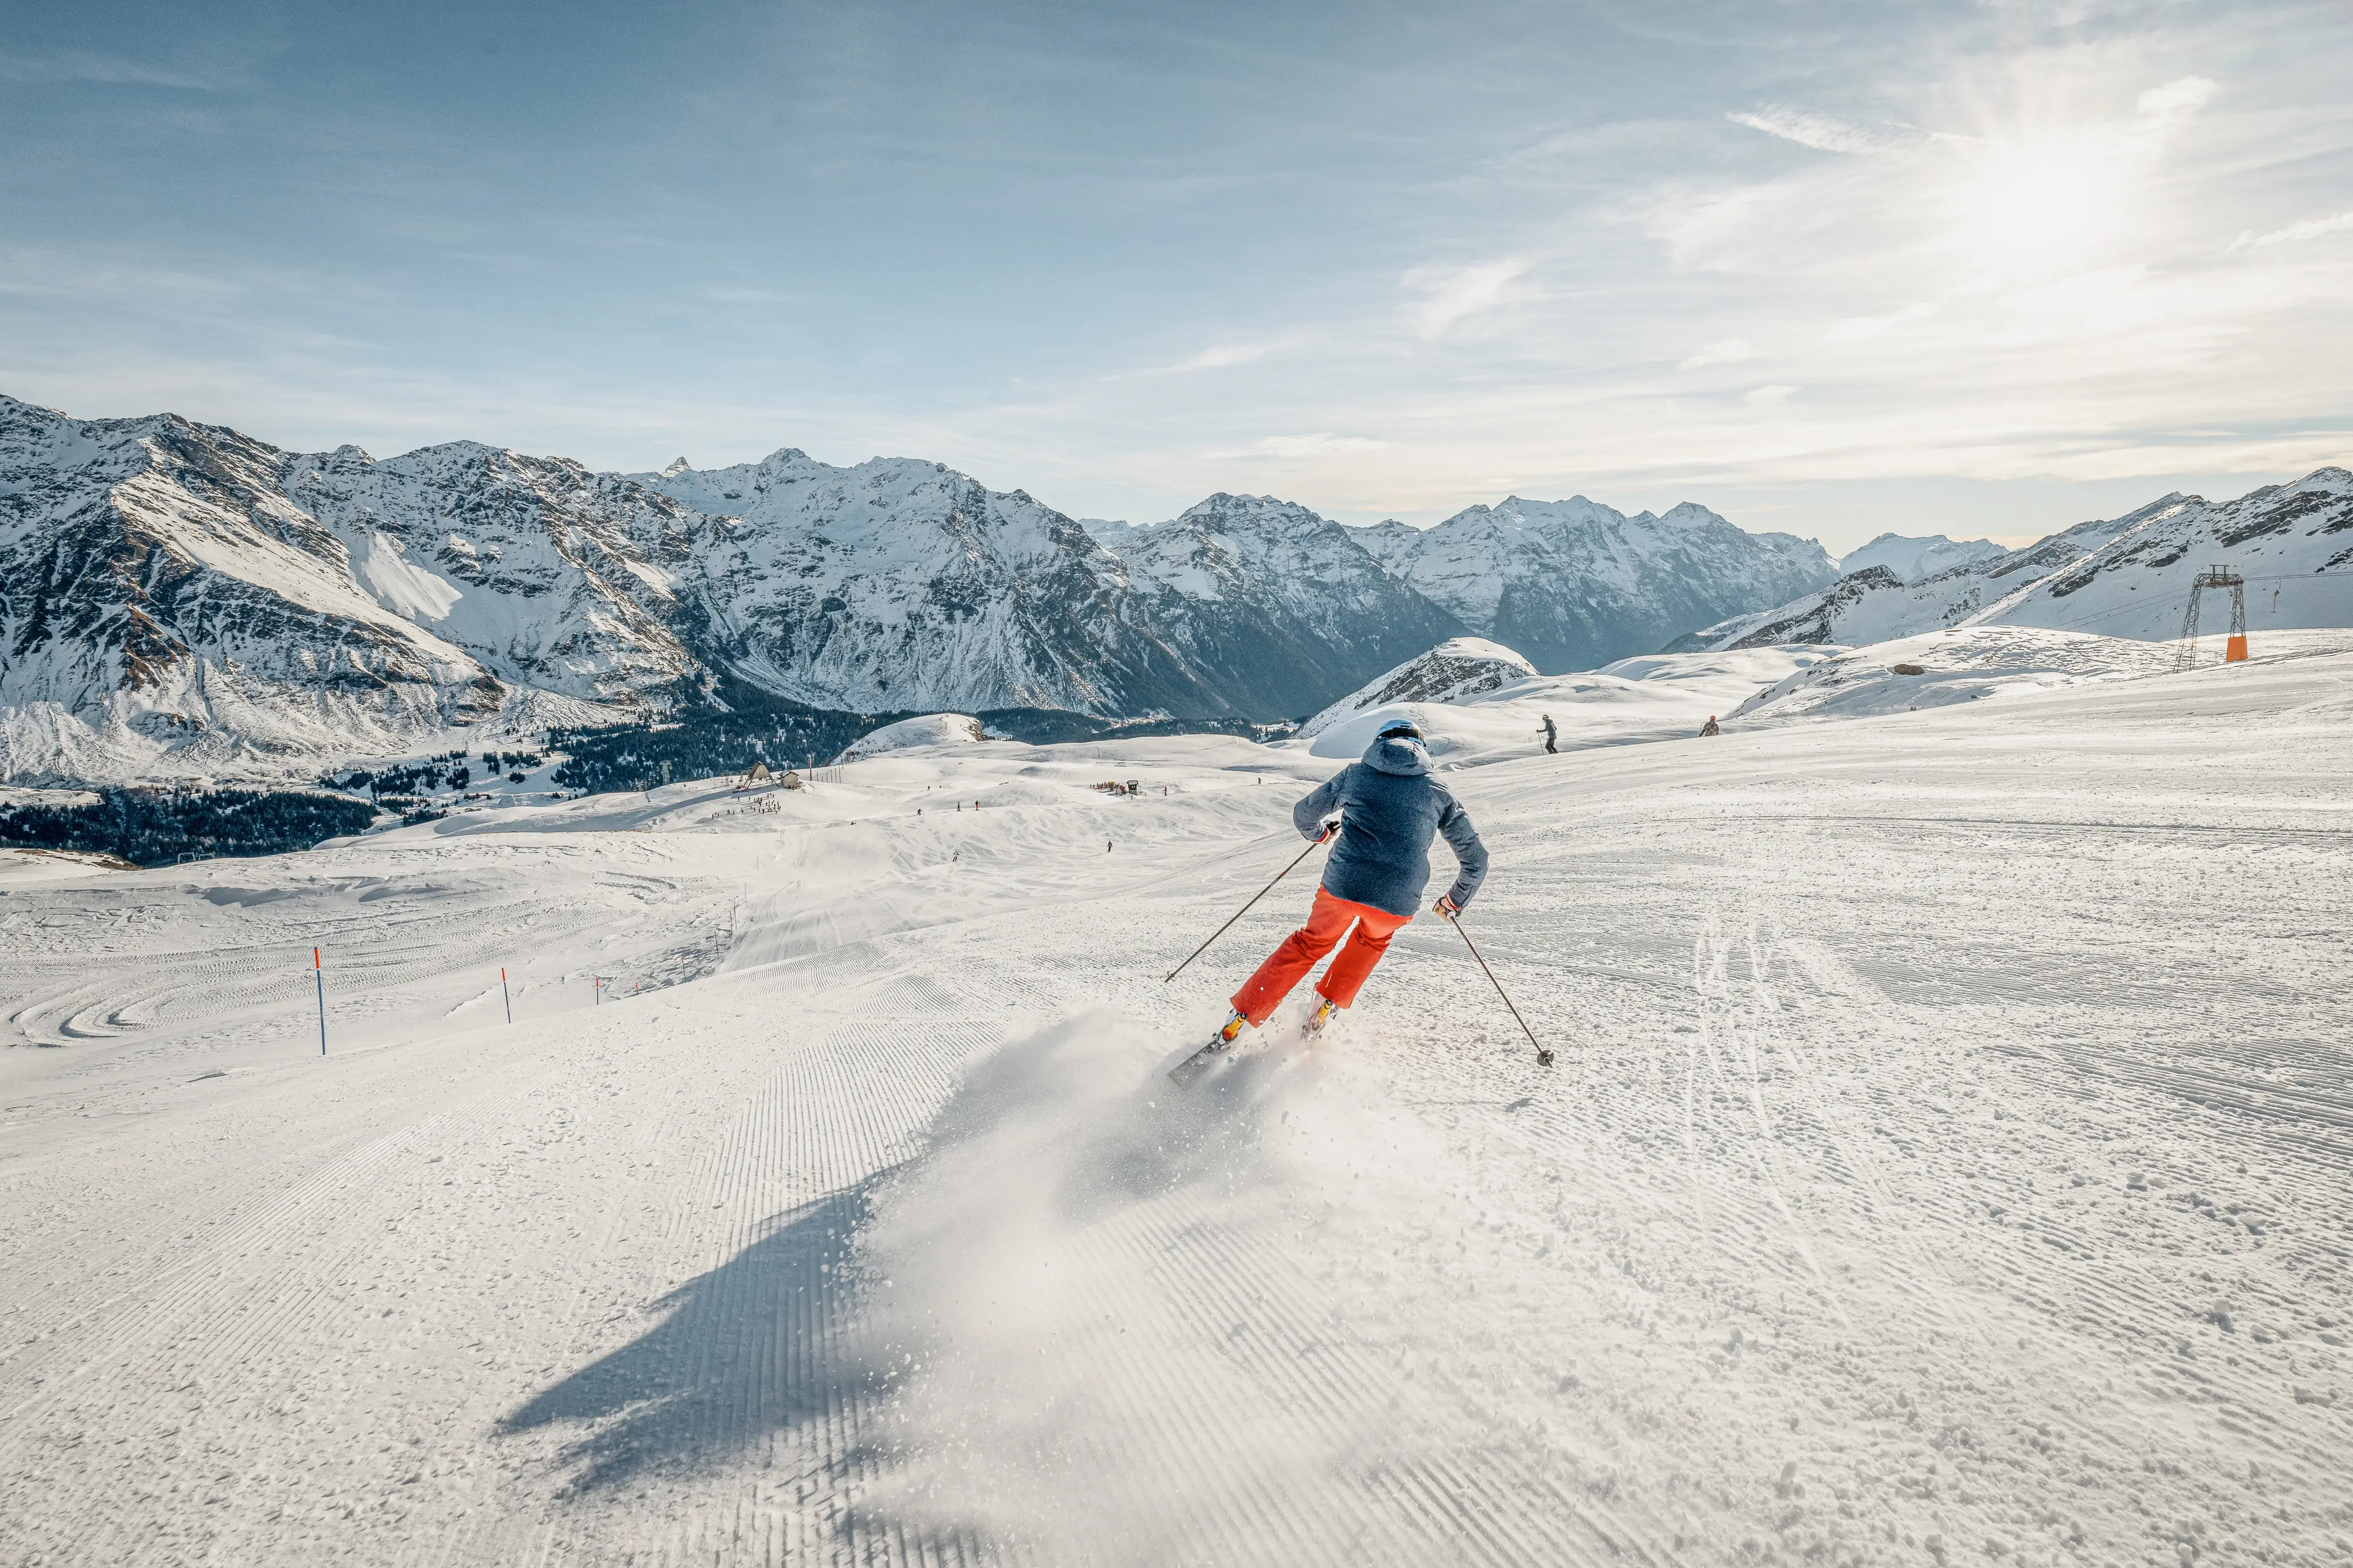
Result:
[[1390, 809], [1709, 727], [1550, 735]]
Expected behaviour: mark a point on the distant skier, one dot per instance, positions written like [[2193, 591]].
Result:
[[1551, 735], [1709, 727], [1390, 809]]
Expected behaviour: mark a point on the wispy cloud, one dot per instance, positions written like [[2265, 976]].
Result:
[[743, 296], [1848, 329], [1321, 444], [2308, 228], [1216, 356], [1723, 350], [1460, 295], [1764, 396], [80, 65], [2162, 108], [1826, 132]]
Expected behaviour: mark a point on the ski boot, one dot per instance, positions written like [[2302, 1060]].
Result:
[[1194, 1066], [1322, 1018]]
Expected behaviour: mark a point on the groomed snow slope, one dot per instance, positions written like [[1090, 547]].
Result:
[[1946, 1162]]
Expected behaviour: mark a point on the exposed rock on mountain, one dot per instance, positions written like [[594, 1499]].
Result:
[[1573, 585], [900, 583], [925, 729], [2293, 542], [171, 589], [1277, 604], [2127, 576], [1454, 669], [551, 576], [158, 589]]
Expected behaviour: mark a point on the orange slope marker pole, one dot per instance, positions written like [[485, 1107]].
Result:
[[503, 993], [319, 973]]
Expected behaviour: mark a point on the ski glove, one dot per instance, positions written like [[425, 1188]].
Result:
[[1329, 829], [1446, 907]]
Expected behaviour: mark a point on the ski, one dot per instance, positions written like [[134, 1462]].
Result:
[[1194, 1066], [1186, 1072], [1189, 1071]]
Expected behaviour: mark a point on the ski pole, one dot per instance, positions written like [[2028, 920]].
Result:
[[1544, 1056], [1239, 913]]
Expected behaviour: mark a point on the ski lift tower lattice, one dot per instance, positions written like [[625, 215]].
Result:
[[2235, 650]]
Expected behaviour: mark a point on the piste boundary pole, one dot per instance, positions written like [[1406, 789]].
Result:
[[1544, 1056], [1239, 913], [503, 993], [319, 973]]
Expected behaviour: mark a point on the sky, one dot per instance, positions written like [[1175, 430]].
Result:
[[1836, 268]]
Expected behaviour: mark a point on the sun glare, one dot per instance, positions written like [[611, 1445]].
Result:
[[2038, 208]]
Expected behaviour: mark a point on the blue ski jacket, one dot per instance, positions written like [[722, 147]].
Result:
[[1391, 807]]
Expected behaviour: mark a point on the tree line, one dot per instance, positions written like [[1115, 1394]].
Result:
[[156, 829]]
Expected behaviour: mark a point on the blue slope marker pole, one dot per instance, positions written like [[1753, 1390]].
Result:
[[319, 973], [503, 993]]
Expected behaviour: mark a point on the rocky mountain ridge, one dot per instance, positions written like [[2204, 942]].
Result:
[[171, 590], [2129, 576], [1573, 585]]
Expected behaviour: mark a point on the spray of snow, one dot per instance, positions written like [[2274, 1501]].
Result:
[[1029, 1309]]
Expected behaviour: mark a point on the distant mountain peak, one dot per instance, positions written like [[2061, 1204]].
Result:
[[1572, 583], [1917, 558]]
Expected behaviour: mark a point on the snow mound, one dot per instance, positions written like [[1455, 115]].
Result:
[[1453, 671], [929, 729]]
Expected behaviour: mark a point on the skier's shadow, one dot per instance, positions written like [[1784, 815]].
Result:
[[754, 1347]]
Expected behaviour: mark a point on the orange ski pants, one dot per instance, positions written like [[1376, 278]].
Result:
[[1326, 923]]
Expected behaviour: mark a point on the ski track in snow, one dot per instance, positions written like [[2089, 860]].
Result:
[[1946, 1159]]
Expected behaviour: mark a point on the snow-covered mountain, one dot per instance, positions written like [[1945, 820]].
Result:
[[2129, 576], [1913, 559], [1266, 596], [903, 583], [174, 589], [1573, 585], [160, 590]]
